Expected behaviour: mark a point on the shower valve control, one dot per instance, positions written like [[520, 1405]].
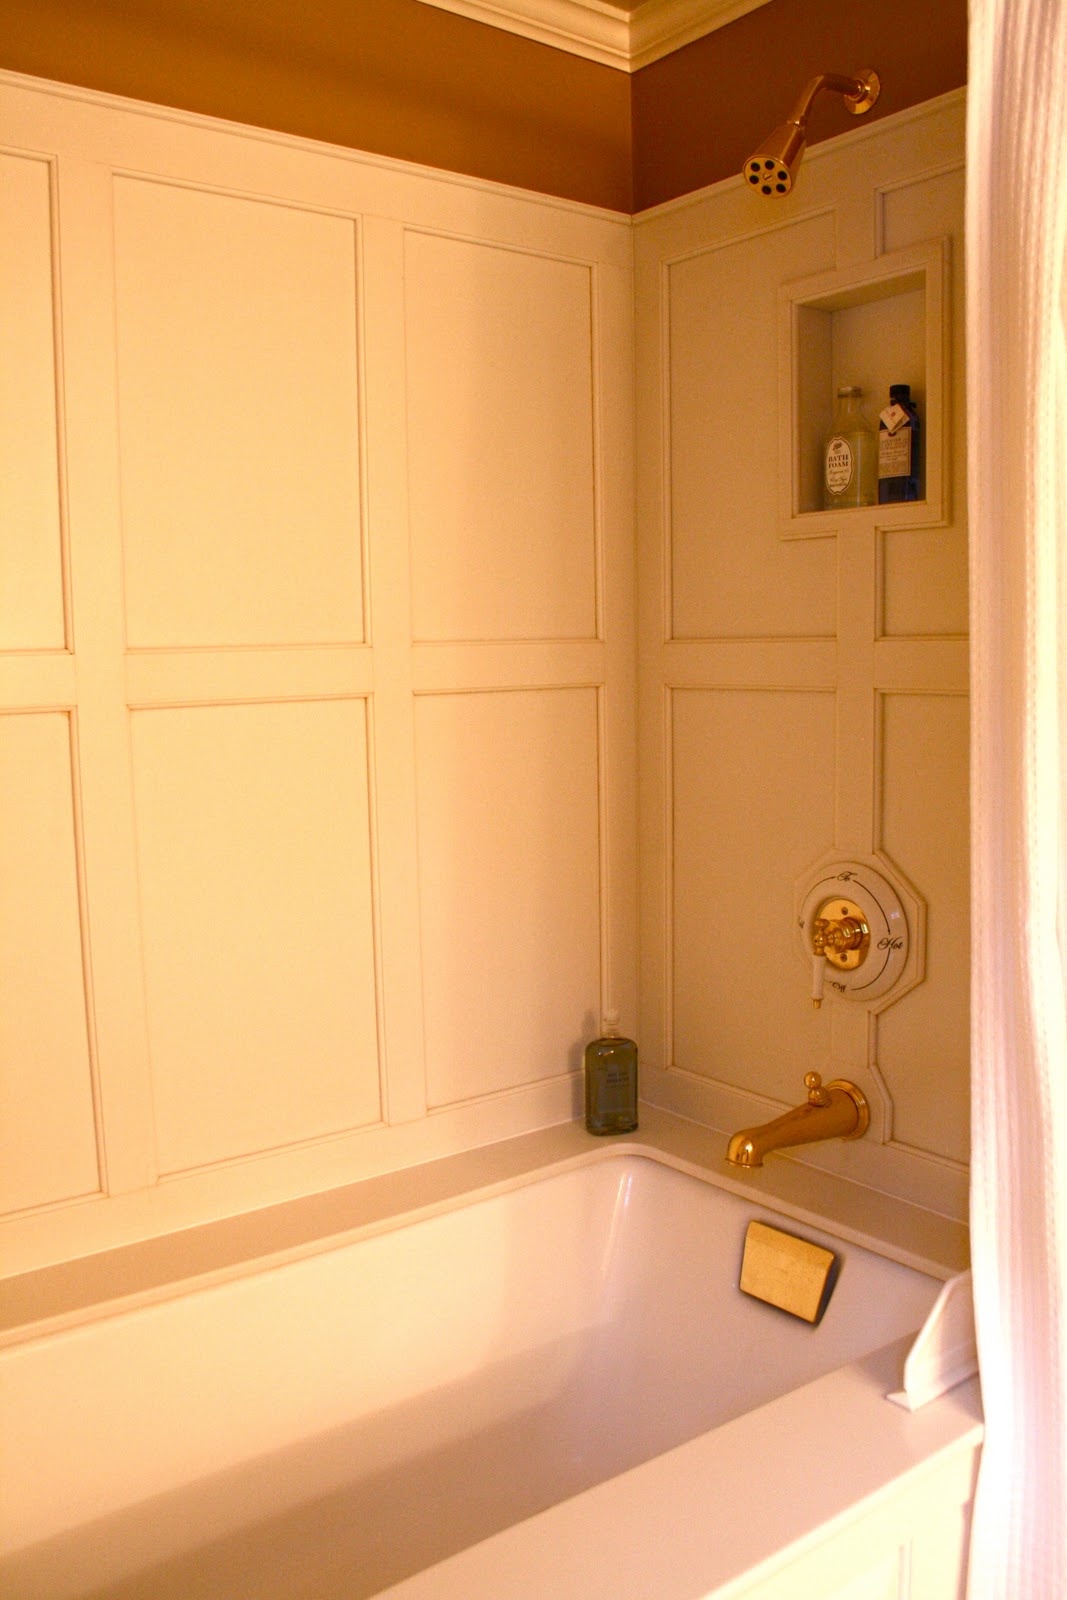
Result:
[[856, 933]]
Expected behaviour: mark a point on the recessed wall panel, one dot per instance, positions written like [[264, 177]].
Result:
[[925, 569], [31, 584], [501, 453], [752, 774], [924, 1042], [254, 845], [47, 1127], [732, 575], [509, 874], [239, 419]]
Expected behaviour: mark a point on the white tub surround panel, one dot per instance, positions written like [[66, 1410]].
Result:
[[239, 408], [803, 673], [324, 601], [42, 957], [300, 938], [502, 450], [31, 474], [512, 851]]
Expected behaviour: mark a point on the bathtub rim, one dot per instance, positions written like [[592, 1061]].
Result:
[[48, 1300], [746, 1470]]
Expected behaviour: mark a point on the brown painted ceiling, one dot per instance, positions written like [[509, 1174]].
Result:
[[402, 79]]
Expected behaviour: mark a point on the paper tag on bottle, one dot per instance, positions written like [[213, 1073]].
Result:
[[894, 454], [893, 417]]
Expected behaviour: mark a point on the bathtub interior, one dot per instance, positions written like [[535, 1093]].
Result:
[[340, 1422]]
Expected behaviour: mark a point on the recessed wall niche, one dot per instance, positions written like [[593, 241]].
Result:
[[874, 325]]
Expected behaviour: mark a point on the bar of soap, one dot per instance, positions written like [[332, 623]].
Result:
[[787, 1272]]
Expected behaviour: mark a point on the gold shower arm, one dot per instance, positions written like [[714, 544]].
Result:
[[860, 93], [772, 168]]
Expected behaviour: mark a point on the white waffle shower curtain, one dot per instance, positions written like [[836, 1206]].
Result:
[[1017, 432]]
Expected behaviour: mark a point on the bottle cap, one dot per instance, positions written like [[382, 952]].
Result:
[[611, 1024], [849, 391], [900, 391]]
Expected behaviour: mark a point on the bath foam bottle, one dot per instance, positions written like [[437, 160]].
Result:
[[850, 455], [611, 1080]]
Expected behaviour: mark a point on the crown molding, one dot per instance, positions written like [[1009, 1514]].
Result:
[[612, 32]]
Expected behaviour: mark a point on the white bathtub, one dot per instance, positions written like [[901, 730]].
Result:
[[335, 1424]]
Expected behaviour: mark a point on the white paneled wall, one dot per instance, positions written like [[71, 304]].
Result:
[[803, 675], [318, 678], [316, 665]]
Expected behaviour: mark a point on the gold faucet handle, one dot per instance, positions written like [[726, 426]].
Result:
[[817, 1095]]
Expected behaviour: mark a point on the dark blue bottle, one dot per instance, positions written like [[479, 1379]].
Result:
[[898, 447]]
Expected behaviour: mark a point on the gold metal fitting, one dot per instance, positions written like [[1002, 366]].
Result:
[[836, 1110], [868, 88], [840, 935]]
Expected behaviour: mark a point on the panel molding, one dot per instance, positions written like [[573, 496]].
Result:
[[92, 142], [267, 808], [524, 664], [515, 557], [240, 417], [26, 408], [734, 922], [928, 1109], [37, 680], [511, 777], [704, 494], [750, 663], [860, 663], [215, 677], [53, 1152], [940, 666], [104, 776]]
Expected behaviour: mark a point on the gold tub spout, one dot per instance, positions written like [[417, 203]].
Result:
[[835, 1110]]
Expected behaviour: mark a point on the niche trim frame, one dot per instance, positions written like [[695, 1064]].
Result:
[[806, 309]]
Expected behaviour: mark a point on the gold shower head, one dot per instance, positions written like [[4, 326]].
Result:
[[772, 169]]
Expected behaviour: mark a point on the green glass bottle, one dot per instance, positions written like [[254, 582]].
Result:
[[850, 456], [611, 1081]]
